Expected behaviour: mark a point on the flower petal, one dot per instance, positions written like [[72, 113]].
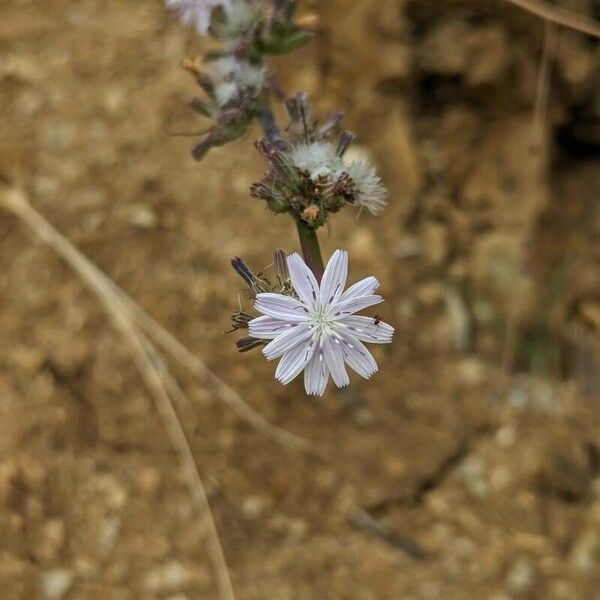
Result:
[[334, 358], [342, 309], [334, 277], [364, 287], [294, 361], [281, 307], [366, 329], [286, 341], [316, 375], [303, 280], [357, 356], [268, 328]]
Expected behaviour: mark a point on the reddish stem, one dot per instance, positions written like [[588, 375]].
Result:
[[310, 249]]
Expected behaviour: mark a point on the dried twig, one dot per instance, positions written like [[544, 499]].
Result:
[[191, 362], [560, 16], [540, 112], [363, 521], [195, 365], [542, 92], [151, 369]]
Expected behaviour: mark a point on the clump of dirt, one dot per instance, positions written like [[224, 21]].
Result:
[[468, 467]]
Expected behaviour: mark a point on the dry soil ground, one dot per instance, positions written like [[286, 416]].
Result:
[[474, 455]]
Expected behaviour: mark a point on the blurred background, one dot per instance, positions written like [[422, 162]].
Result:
[[469, 467]]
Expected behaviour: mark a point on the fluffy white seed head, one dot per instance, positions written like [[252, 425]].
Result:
[[240, 16], [226, 92], [249, 76], [221, 68], [196, 13], [370, 190], [318, 159], [234, 77]]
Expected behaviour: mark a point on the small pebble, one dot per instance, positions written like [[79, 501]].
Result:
[[56, 583], [170, 576], [142, 216], [253, 506], [521, 576]]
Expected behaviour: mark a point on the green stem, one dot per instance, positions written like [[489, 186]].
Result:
[[310, 249]]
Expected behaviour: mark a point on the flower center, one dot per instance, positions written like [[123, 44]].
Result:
[[322, 320]]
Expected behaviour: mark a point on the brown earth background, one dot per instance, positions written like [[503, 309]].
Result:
[[468, 468]]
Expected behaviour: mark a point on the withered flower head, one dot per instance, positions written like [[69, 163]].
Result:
[[310, 177], [197, 13], [233, 89]]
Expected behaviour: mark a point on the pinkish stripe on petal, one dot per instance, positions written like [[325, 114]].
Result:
[[286, 341], [334, 358], [268, 328], [357, 356], [316, 375], [364, 287], [281, 307], [334, 277], [342, 309], [293, 361], [303, 280]]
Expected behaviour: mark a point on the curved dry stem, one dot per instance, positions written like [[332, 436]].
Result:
[[542, 92], [158, 380], [179, 352], [227, 394], [151, 368], [540, 111], [560, 16]]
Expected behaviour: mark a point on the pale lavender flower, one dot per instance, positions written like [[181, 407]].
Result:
[[196, 13], [318, 332]]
